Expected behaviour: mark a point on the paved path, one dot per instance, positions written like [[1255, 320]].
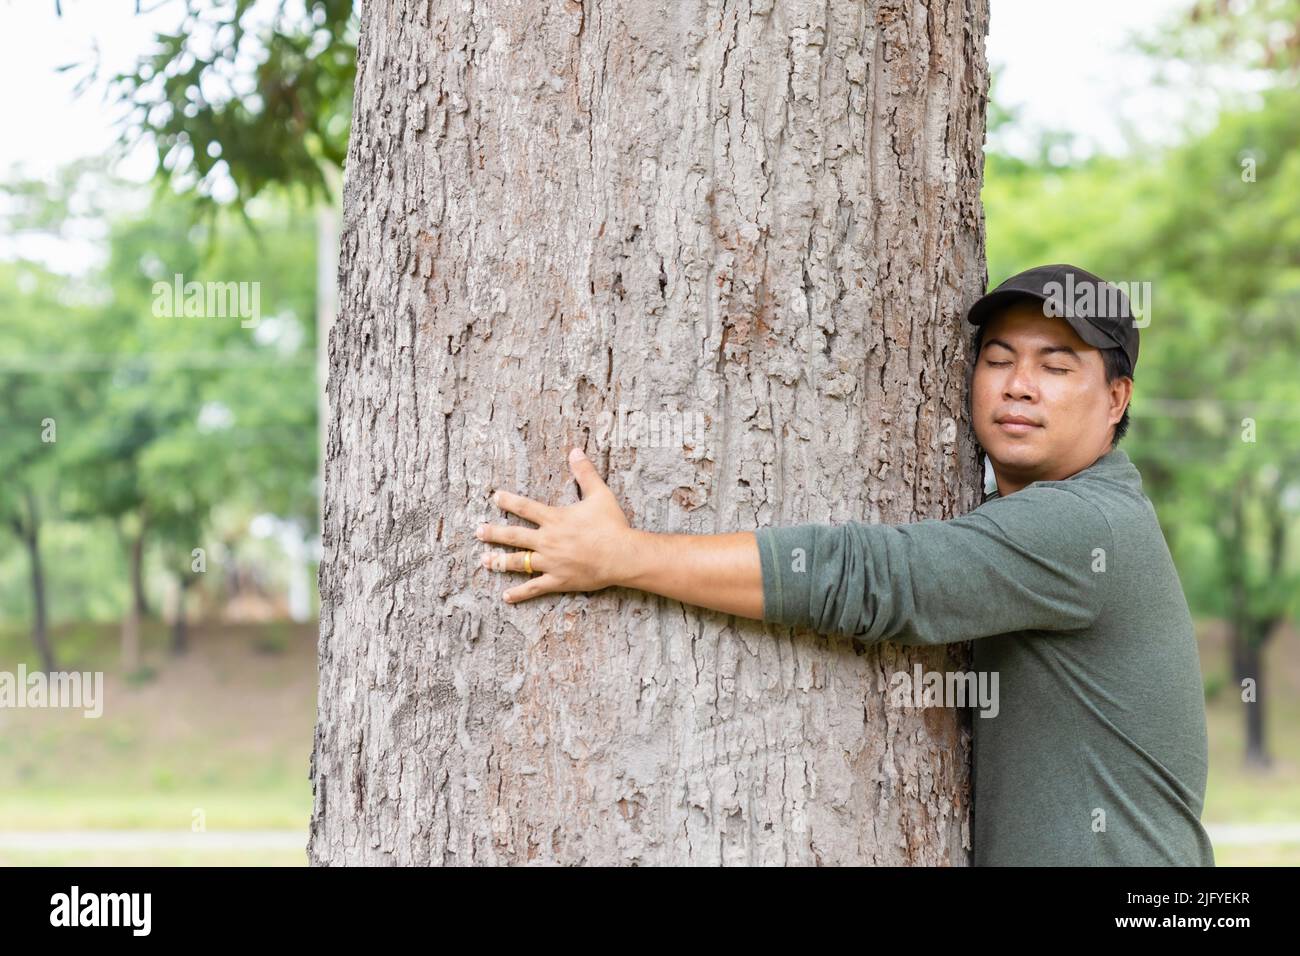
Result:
[[1253, 834]]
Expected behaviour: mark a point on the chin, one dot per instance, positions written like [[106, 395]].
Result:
[[1010, 455]]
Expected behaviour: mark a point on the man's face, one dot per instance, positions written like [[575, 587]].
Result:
[[1035, 367]]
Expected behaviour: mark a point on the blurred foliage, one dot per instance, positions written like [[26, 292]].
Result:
[[178, 427], [43, 313], [1260, 34], [244, 95]]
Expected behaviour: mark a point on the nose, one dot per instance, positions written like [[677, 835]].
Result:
[[1020, 385]]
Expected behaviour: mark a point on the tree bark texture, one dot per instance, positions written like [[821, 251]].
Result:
[[757, 223]]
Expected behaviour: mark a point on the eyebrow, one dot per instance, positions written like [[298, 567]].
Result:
[[1045, 350]]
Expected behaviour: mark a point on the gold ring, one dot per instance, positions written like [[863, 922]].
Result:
[[528, 562]]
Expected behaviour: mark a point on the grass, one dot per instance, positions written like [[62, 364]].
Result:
[[226, 730], [222, 733], [221, 808]]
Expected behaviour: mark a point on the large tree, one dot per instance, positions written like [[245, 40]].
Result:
[[761, 216]]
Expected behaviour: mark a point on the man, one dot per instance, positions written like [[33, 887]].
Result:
[[1062, 577]]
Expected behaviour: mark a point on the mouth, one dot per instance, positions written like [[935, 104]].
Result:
[[1015, 425]]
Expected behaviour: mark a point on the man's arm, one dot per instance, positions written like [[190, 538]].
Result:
[[1025, 562], [718, 571], [1033, 561]]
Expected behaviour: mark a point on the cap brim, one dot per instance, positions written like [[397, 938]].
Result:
[[988, 305]]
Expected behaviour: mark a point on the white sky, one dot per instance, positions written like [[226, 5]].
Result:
[[1065, 67], [45, 125]]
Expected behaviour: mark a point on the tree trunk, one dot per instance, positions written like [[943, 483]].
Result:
[[180, 636], [135, 609], [1250, 630], [327, 303], [1248, 640], [759, 219], [130, 648], [137, 573], [1256, 749], [31, 535]]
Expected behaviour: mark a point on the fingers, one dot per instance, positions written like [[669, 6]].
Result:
[[526, 508], [544, 584], [509, 561], [584, 471], [508, 534], [514, 561]]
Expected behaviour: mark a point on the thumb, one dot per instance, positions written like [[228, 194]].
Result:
[[585, 472]]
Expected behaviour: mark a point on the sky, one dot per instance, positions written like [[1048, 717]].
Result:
[[1067, 69], [1061, 68]]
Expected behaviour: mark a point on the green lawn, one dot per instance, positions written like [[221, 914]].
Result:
[[219, 737], [223, 734]]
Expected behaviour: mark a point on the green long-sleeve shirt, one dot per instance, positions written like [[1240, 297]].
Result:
[[1097, 753]]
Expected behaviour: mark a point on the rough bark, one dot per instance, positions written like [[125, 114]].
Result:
[[760, 215]]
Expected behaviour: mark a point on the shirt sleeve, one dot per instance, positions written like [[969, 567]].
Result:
[[1035, 560]]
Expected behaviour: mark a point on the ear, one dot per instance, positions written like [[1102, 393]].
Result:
[[1121, 392]]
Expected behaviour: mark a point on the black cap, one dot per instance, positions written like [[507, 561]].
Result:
[[1096, 309]]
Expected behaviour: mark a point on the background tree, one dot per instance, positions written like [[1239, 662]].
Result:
[[43, 316], [160, 416], [242, 96]]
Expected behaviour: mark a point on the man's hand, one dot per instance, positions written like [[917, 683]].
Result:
[[581, 547], [589, 546]]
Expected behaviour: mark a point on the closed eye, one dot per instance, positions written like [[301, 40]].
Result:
[[1051, 368]]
